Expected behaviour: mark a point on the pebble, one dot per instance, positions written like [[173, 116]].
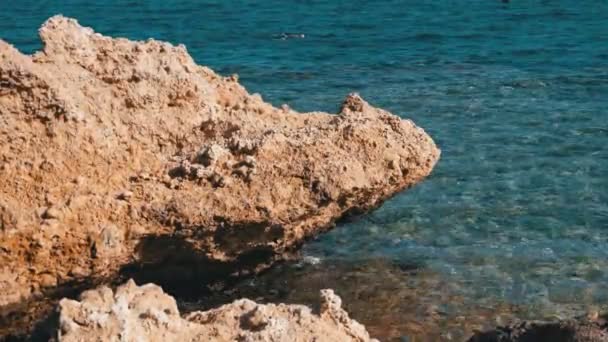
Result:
[[48, 280], [593, 315], [79, 272]]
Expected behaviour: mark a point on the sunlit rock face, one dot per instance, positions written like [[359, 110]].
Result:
[[116, 155]]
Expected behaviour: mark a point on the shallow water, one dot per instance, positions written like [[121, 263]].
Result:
[[396, 302], [515, 95]]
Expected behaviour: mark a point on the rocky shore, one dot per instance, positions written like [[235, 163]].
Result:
[[136, 313], [123, 159]]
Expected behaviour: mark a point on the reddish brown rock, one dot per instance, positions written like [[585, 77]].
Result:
[[146, 313], [116, 155]]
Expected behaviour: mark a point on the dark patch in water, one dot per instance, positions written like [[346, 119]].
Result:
[[428, 37]]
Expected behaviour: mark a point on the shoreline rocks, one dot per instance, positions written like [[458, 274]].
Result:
[[135, 313], [124, 159], [581, 329]]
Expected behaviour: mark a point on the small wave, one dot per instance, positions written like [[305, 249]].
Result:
[[310, 260], [288, 35], [427, 36], [526, 84], [583, 80], [527, 52], [469, 36], [592, 131]]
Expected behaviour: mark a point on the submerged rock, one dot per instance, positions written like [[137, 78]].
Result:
[[583, 329], [136, 313], [122, 157]]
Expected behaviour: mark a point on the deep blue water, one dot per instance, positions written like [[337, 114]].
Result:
[[515, 95]]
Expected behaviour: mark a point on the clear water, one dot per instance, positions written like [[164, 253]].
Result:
[[516, 96]]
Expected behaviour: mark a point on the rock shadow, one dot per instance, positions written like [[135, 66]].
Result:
[[183, 271], [36, 319]]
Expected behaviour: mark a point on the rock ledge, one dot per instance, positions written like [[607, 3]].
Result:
[[123, 158]]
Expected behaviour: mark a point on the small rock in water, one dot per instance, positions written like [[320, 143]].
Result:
[[311, 260]]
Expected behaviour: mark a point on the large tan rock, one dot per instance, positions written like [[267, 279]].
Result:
[[114, 152], [146, 313]]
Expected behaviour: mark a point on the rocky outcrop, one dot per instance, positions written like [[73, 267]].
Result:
[[137, 313], [127, 157], [591, 328]]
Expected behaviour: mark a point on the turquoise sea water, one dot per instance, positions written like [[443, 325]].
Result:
[[515, 94]]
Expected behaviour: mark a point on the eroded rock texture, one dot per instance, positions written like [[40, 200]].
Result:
[[116, 155], [146, 313]]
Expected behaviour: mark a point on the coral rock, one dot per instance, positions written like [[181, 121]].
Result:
[[136, 313]]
